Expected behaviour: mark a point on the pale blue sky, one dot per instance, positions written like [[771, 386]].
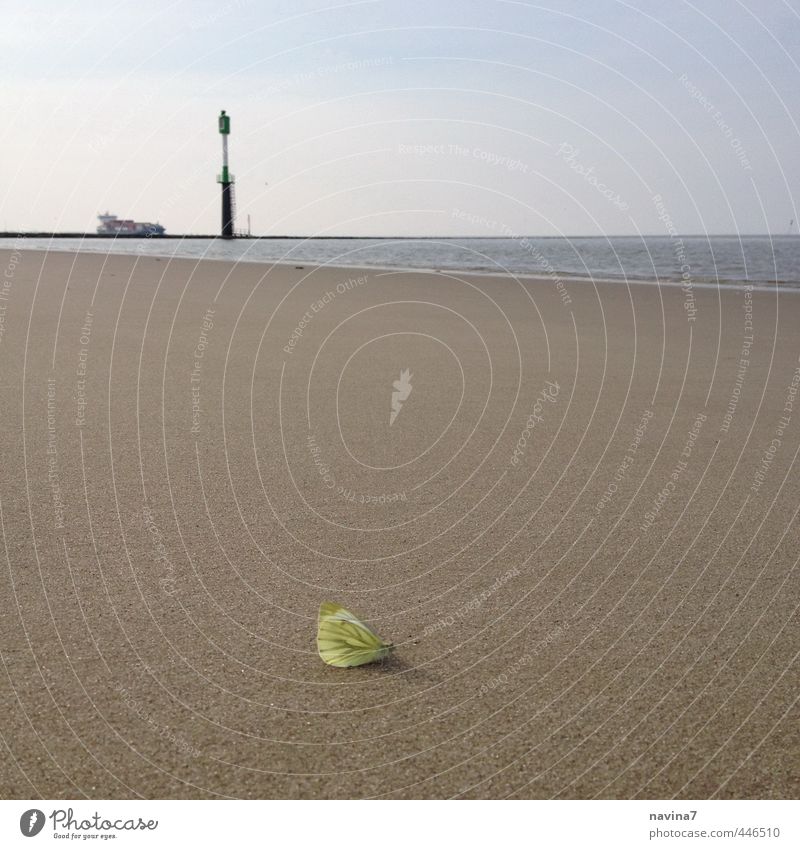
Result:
[[386, 118]]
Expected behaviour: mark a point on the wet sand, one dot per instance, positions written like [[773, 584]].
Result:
[[579, 528]]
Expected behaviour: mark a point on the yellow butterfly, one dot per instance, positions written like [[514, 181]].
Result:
[[344, 640]]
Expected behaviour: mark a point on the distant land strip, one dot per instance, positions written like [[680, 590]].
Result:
[[14, 234]]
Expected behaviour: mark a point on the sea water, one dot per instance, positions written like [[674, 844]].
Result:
[[759, 260]]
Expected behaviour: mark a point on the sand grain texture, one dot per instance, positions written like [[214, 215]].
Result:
[[161, 642]]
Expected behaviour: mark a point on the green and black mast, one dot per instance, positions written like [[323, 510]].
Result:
[[226, 178]]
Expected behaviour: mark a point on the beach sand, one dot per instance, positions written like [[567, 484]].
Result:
[[580, 530]]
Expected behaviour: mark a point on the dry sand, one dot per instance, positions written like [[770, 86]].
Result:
[[164, 570]]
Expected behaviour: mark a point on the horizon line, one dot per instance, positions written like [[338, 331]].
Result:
[[47, 234]]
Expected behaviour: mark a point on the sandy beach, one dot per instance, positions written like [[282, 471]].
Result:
[[578, 524]]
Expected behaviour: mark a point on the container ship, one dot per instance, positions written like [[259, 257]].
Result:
[[110, 225]]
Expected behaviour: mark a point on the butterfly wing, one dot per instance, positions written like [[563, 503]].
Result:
[[344, 640]]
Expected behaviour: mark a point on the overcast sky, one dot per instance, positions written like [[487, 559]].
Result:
[[404, 117]]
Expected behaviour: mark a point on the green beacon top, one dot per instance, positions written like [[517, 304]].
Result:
[[224, 123]]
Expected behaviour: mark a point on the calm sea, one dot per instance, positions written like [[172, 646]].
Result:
[[760, 260]]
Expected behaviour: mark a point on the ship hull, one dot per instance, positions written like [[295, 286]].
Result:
[[110, 225]]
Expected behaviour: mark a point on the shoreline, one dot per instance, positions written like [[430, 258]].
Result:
[[566, 277]]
